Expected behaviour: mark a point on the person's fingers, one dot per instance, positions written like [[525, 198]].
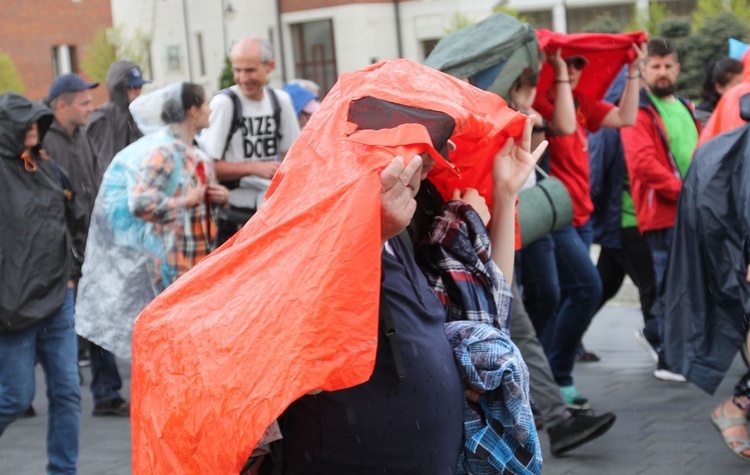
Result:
[[410, 171], [416, 175], [526, 137], [389, 175], [539, 151], [507, 147], [472, 396], [747, 277]]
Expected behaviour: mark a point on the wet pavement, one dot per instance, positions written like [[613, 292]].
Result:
[[662, 428]]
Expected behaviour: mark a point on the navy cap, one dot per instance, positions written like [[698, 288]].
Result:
[[70, 82], [135, 77]]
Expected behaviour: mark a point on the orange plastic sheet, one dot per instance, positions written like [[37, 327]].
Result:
[[290, 304], [726, 114], [607, 54]]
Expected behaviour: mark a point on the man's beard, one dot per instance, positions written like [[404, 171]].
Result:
[[663, 91]]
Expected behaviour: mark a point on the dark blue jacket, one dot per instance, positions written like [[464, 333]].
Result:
[[607, 175]]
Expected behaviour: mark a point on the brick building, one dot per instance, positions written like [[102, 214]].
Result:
[[46, 38]]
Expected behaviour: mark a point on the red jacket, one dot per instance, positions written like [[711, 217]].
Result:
[[655, 180]]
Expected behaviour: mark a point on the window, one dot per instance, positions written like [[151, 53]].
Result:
[[428, 46], [64, 59], [174, 62], [314, 53]]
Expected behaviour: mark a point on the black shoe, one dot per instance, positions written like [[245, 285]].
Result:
[[30, 412], [576, 430], [115, 407]]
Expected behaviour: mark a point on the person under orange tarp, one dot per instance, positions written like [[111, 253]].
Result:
[[290, 304], [726, 115]]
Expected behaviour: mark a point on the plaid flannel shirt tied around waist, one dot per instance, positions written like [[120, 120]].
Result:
[[500, 436]]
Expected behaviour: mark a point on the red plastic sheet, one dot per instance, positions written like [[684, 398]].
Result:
[[290, 304], [607, 54]]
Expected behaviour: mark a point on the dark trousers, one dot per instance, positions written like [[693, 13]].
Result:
[[659, 242], [105, 378], [634, 260]]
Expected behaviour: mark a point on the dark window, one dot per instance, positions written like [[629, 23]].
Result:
[[64, 59], [201, 54], [314, 53], [428, 46]]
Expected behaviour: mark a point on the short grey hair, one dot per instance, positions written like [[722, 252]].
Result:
[[266, 49]]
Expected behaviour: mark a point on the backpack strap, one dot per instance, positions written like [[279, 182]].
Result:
[[276, 111], [236, 115]]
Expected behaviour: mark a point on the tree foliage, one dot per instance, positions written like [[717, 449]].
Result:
[[707, 43], [227, 77], [648, 20], [10, 80], [604, 23], [112, 44], [707, 9], [458, 20]]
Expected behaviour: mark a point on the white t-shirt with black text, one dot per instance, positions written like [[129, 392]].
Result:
[[256, 140]]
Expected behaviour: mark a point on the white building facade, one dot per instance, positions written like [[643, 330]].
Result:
[[320, 39]]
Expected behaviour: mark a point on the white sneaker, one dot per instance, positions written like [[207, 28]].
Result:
[[641, 339], [665, 374]]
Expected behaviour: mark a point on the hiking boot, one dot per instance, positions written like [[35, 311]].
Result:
[[573, 398], [114, 407], [577, 430], [665, 373], [646, 345]]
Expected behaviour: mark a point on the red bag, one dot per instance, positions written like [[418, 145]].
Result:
[[290, 303]]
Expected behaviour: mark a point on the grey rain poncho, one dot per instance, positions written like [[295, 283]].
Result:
[[137, 226]]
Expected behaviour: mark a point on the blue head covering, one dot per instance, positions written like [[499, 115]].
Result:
[[300, 96]]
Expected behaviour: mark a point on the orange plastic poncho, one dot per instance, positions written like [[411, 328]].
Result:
[[726, 114], [606, 53], [290, 304]]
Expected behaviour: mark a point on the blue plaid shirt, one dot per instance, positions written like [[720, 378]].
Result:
[[500, 436]]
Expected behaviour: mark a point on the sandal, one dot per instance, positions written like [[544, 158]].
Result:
[[737, 445]]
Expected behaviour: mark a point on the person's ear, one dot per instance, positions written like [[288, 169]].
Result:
[[271, 64]]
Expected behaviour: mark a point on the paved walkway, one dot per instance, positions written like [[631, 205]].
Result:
[[662, 428]]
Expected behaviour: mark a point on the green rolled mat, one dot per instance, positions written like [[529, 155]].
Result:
[[543, 208]]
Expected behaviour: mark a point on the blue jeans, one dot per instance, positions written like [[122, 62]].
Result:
[[105, 378], [659, 241], [541, 289], [580, 294], [51, 342]]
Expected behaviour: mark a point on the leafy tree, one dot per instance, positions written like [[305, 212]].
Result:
[[708, 43], [706, 9], [10, 80], [458, 20], [503, 7], [648, 20], [112, 44], [604, 23], [100, 54], [227, 77]]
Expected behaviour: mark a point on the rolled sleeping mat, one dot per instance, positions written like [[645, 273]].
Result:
[[543, 208]]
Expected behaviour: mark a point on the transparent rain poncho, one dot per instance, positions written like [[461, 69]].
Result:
[[138, 225]]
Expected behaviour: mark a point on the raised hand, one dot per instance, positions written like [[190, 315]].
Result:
[[514, 163], [397, 205]]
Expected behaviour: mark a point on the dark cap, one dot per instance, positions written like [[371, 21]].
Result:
[[68, 83], [135, 77]]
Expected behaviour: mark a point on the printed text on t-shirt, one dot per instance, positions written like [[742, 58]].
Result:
[[259, 137]]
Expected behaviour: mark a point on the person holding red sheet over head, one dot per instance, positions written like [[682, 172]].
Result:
[[592, 61]]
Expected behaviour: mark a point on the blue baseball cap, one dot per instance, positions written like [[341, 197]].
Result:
[[135, 77], [70, 82]]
